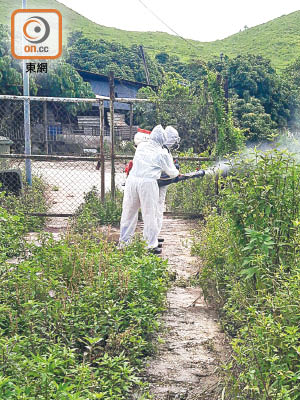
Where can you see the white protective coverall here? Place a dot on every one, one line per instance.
(172, 137)
(141, 188)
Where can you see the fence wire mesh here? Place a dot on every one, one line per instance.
(67, 158)
(67, 138)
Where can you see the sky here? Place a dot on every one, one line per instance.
(193, 19)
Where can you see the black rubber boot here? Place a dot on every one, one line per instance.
(160, 245)
(155, 250)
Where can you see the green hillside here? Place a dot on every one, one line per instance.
(278, 39)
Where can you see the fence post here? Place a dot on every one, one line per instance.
(112, 132)
(45, 117)
(27, 131)
(131, 121)
(102, 159)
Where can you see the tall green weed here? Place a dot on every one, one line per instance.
(93, 212)
(251, 270)
(76, 318)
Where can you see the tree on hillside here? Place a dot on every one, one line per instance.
(62, 80)
(292, 76)
(254, 76)
(10, 71)
(193, 70)
(250, 116)
(100, 56)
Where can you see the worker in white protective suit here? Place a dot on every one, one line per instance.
(172, 141)
(141, 188)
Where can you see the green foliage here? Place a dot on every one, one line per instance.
(76, 318)
(229, 138)
(292, 76)
(93, 212)
(32, 200)
(11, 231)
(192, 70)
(14, 223)
(10, 76)
(251, 117)
(125, 147)
(194, 197)
(101, 56)
(253, 76)
(188, 108)
(262, 100)
(251, 256)
(62, 80)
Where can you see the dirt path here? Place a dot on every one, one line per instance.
(186, 363)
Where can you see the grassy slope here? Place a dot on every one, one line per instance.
(278, 39)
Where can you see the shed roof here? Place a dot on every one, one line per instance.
(101, 77)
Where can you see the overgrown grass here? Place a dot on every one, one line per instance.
(14, 221)
(77, 315)
(93, 212)
(76, 319)
(251, 255)
(11, 234)
(32, 200)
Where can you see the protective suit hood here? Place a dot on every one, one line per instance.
(172, 137)
(158, 135)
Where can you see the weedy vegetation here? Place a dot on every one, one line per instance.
(192, 197)
(250, 247)
(92, 212)
(77, 315)
(14, 221)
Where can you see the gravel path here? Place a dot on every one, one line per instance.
(186, 363)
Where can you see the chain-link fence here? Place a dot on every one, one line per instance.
(71, 149)
(76, 145)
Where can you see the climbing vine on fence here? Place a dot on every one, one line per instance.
(196, 110)
(229, 138)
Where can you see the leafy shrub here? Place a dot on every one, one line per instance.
(11, 232)
(32, 200)
(194, 196)
(76, 318)
(125, 146)
(93, 212)
(14, 221)
(251, 255)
